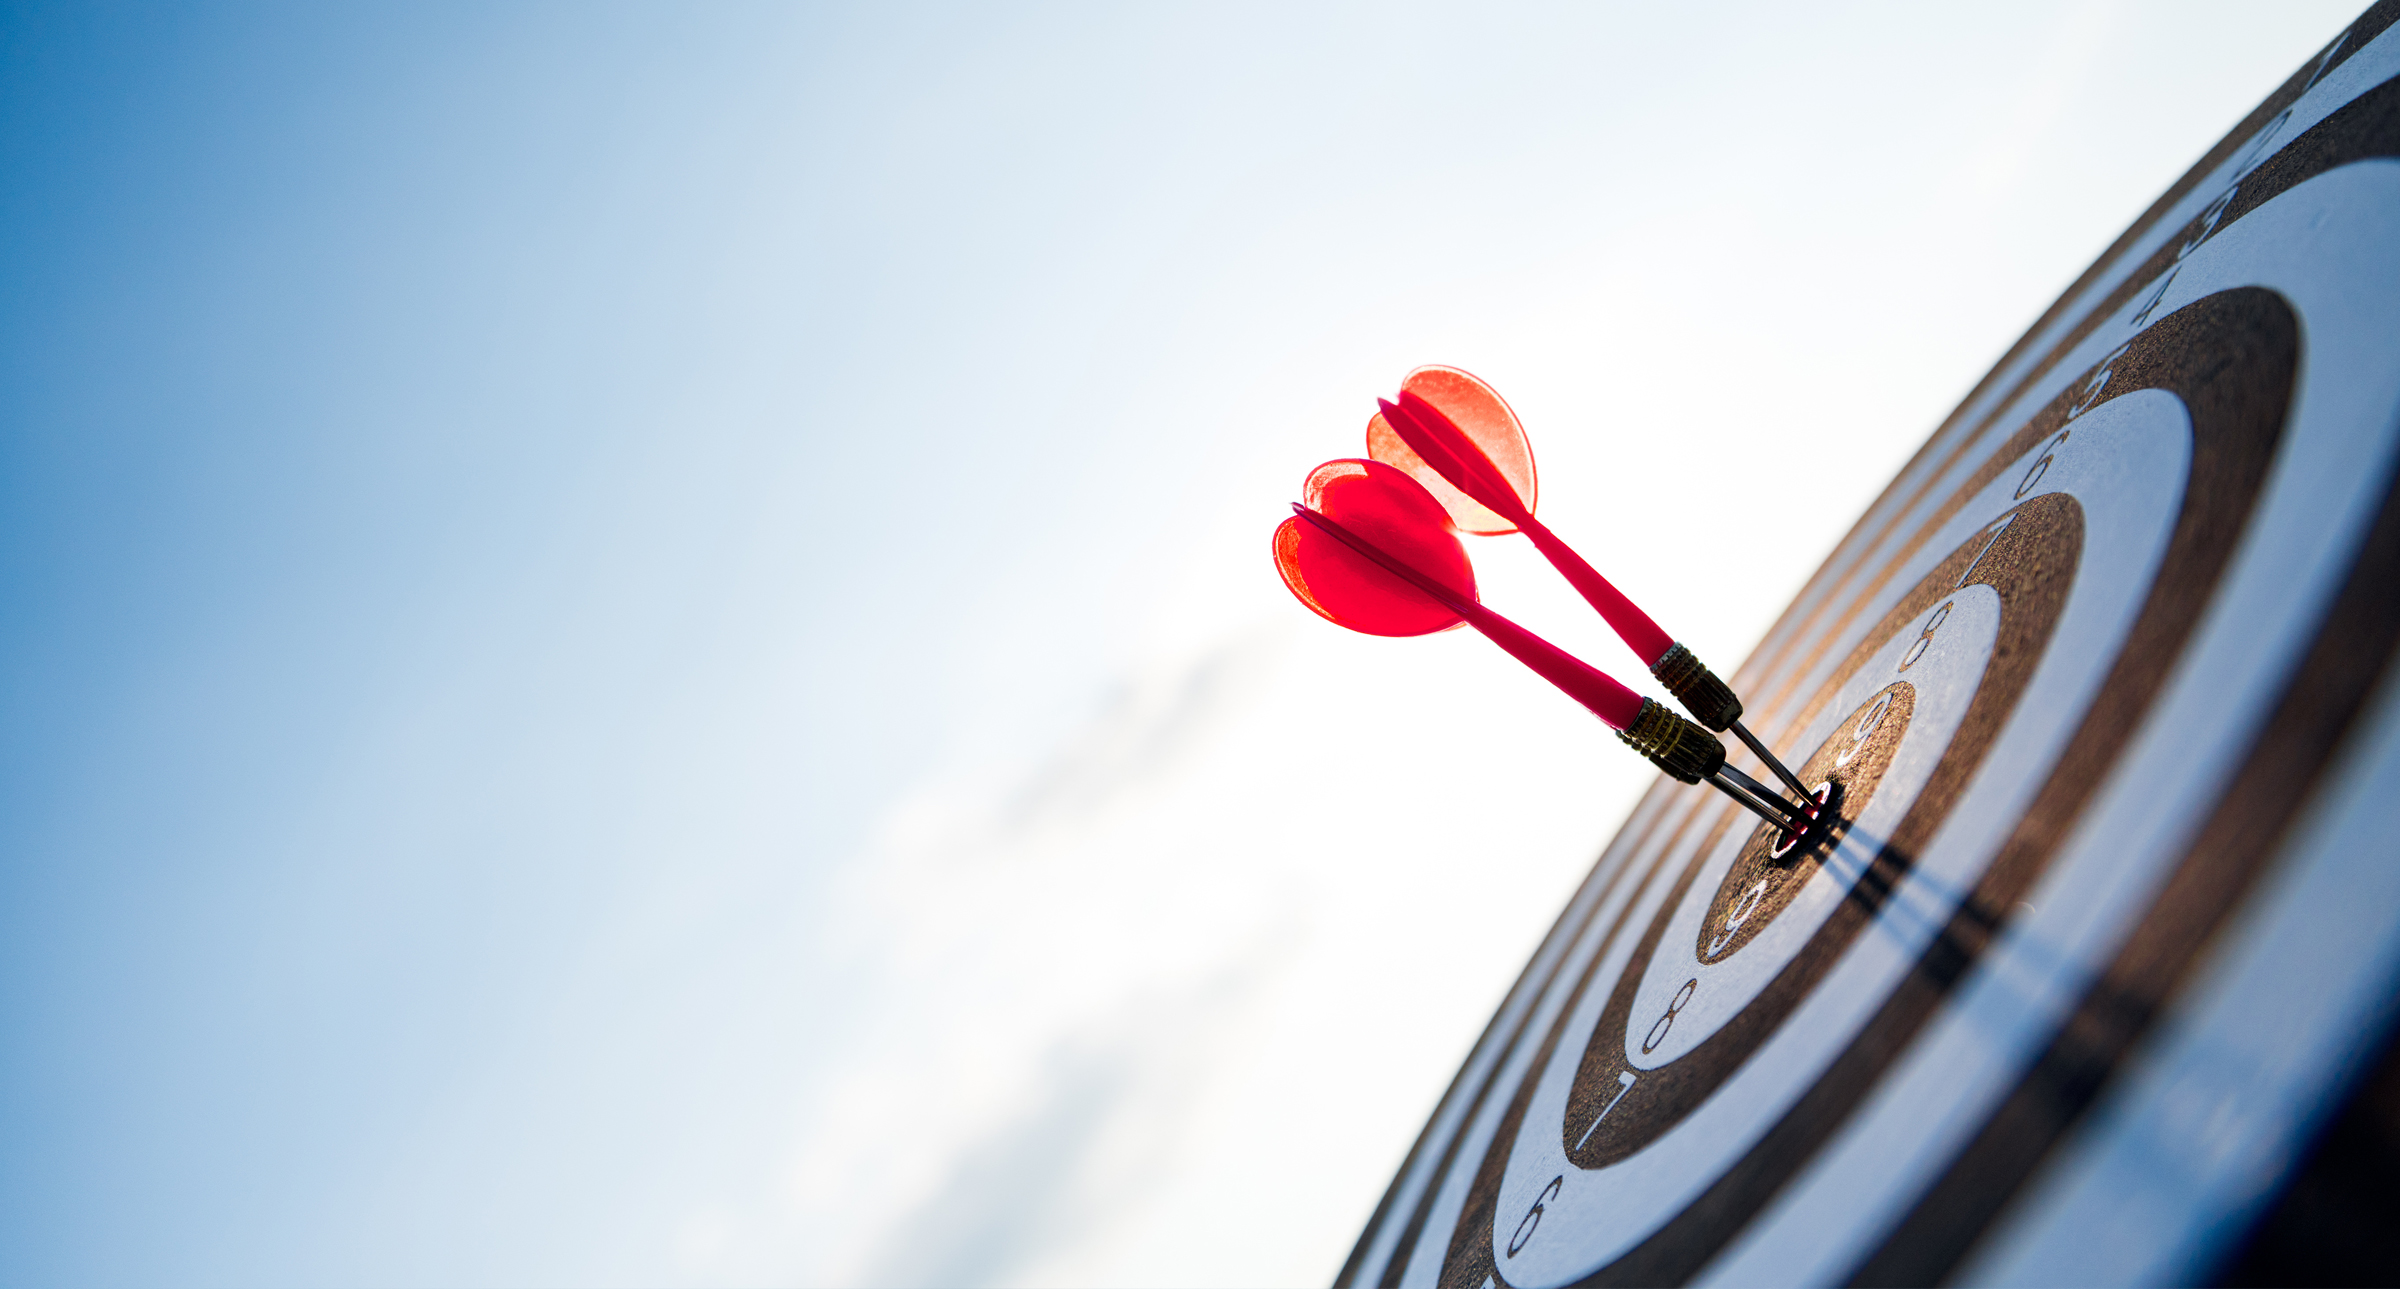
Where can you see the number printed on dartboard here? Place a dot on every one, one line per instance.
(1658, 1030)
(1532, 1220)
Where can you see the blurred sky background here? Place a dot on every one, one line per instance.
(638, 644)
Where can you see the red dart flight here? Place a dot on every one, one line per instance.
(1458, 437)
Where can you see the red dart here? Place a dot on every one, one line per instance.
(1373, 551)
(1459, 438)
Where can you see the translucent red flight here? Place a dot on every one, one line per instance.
(1350, 503)
(1487, 421)
(1459, 438)
(1383, 505)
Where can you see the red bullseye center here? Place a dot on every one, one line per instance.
(1792, 837)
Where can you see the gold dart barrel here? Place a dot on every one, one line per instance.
(1710, 700)
(1684, 750)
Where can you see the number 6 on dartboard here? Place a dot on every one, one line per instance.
(1532, 1220)
(2034, 472)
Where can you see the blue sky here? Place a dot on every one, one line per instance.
(637, 641)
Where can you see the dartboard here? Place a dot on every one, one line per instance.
(2111, 913)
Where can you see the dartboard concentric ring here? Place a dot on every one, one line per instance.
(2132, 606)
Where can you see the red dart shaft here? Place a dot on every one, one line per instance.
(1431, 433)
(1581, 681)
(1633, 626)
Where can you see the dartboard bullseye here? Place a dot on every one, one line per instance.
(2093, 694)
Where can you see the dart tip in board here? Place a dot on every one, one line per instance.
(1822, 814)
